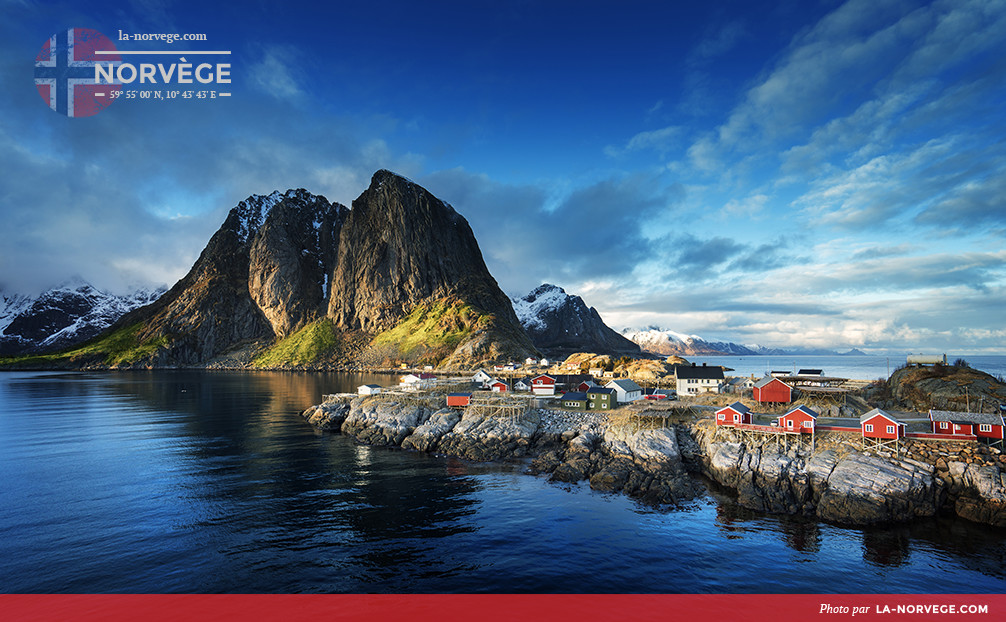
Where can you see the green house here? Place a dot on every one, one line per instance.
(601, 398)
(574, 399)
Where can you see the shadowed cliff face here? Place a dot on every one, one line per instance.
(261, 275)
(401, 245)
(282, 261)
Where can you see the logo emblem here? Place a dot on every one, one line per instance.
(64, 72)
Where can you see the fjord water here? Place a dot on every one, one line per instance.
(182, 481)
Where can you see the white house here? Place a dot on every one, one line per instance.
(413, 382)
(368, 389)
(482, 378)
(626, 390)
(694, 379)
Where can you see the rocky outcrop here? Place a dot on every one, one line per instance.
(569, 447)
(559, 324)
(979, 492)
(843, 485)
(943, 387)
(865, 488)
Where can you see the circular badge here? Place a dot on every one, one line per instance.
(65, 72)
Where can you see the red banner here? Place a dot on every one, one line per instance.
(499, 608)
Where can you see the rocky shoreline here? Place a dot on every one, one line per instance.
(836, 482)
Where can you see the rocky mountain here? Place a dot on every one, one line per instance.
(62, 316)
(559, 324)
(292, 279)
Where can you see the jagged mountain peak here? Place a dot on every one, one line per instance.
(248, 216)
(558, 322)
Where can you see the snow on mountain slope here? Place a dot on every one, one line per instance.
(669, 342)
(63, 316)
(559, 323)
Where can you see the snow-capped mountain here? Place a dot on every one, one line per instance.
(668, 342)
(559, 323)
(62, 316)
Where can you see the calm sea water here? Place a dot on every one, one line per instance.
(211, 482)
(868, 367)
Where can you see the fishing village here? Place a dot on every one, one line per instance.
(792, 442)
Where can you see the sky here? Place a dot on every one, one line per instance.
(796, 173)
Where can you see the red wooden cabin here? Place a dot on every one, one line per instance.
(879, 424)
(772, 390)
(733, 414)
(458, 400)
(982, 425)
(801, 419)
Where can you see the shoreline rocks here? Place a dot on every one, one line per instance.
(841, 484)
(567, 446)
(837, 483)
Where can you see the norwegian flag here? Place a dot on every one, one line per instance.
(64, 72)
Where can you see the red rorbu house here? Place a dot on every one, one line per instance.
(982, 425)
(879, 424)
(543, 385)
(458, 400)
(801, 419)
(498, 386)
(772, 390)
(733, 414)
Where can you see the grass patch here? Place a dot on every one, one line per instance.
(120, 347)
(431, 332)
(311, 344)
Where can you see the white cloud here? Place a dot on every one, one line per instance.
(275, 73)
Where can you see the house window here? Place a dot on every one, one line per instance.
(943, 425)
(736, 418)
(985, 427)
(890, 429)
(723, 417)
(603, 406)
(869, 427)
(808, 424)
(789, 424)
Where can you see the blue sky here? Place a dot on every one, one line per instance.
(828, 174)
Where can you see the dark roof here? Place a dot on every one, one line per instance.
(810, 372)
(578, 396)
(571, 378)
(959, 417)
(599, 390)
(459, 395)
(698, 372)
(738, 407)
(370, 386)
(803, 409)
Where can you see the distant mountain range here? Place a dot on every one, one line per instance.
(667, 342)
(63, 316)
